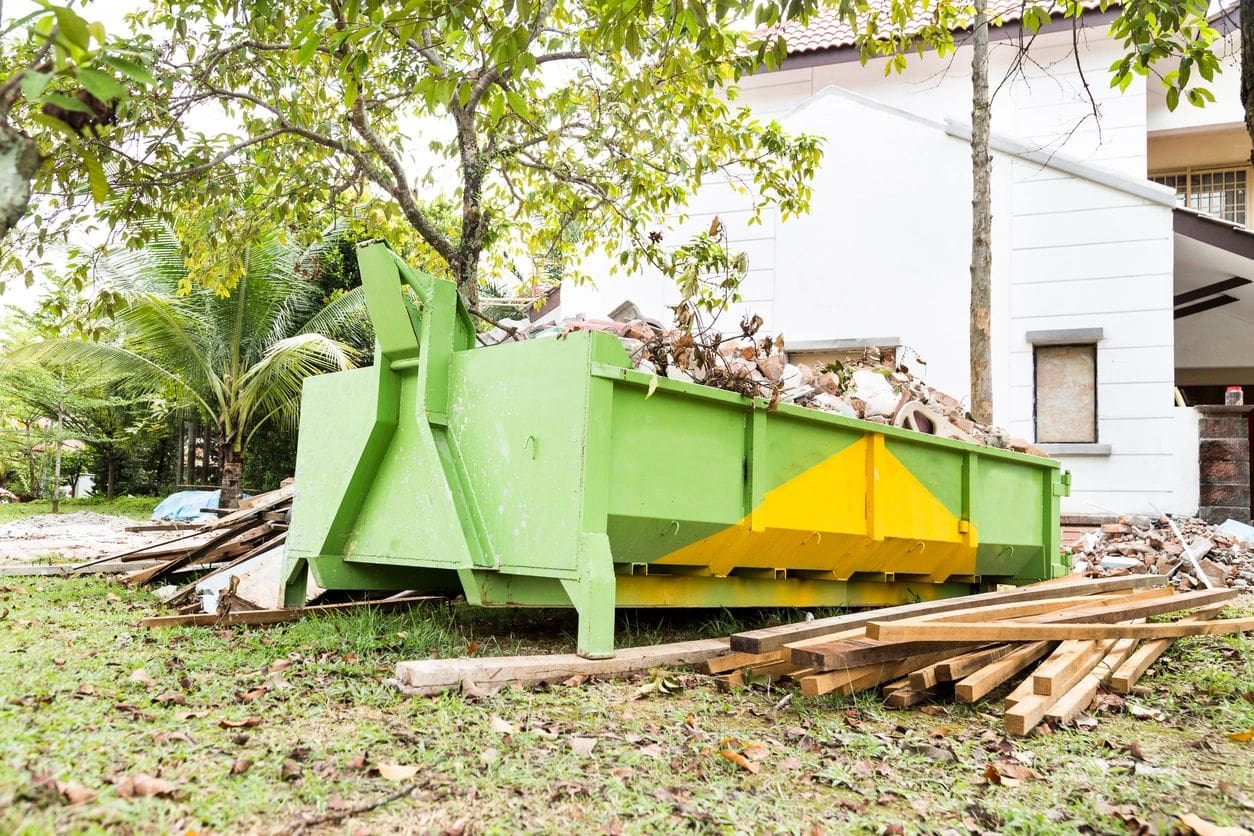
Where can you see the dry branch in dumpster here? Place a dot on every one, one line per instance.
(874, 387)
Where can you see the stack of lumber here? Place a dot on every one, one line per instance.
(258, 526)
(1067, 639)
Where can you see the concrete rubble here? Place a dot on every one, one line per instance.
(1142, 544)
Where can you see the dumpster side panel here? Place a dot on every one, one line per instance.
(517, 418)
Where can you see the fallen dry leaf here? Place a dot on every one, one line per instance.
(500, 726)
(75, 793)
(756, 752)
(143, 785)
(246, 723)
(740, 761)
(141, 676)
(173, 697)
(84, 689)
(290, 770)
(1193, 823)
(473, 691)
(252, 694)
(576, 680)
(789, 764)
(165, 737)
(490, 756)
(1246, 736)
(279, 665)
(357, 764)
(1008, 773)
(241, 766)
(397, 771)
(582, 746)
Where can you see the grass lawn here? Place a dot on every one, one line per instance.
(302, 716)
(135, 507)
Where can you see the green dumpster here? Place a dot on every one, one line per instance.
(551, 473)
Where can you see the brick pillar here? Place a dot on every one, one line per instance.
(1224, 457)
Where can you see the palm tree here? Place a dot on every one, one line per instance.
(241, 359)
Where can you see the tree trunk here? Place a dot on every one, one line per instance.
(178, 454)
(19, 160)
(1247, 68)
(232, 476)
(981, 224)
(56, 470)
(193, 431)
(111, 470)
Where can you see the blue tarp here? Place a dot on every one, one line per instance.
(185, 506)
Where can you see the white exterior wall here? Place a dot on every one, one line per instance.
(885, 249)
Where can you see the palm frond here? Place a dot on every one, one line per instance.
(273, 385)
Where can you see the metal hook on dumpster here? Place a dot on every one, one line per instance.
(814, 534)
(534, 444)
(675, 530)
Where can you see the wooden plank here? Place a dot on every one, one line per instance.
(1139, 661)
(773, 638)
(429, 676)
(870, 649)
(272, 500)
(850, 653)
(1031, 609)
(1076, 701)
(850, 680)
(1024, 715)
(895, 685)
(274, 542)
(147, 575)
(735, 661)
(1059, 668)
(1072, 624)
(277, 616)
(978, 684)
(957, 667)
(906, 697)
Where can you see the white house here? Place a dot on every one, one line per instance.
(1109, 291)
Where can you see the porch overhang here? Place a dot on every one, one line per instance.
(1214, 300)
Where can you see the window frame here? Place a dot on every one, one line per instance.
(1189, 172)
(1036, 389)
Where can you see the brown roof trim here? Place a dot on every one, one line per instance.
(1011, 31)
(1214, 231)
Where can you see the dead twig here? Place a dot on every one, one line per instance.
(307, 822)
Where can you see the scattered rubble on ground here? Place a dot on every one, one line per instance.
(1138, 543)
(78, 535)
(875, 387)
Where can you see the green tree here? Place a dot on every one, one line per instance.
(64, 84)
(239, 359)
(600, 116)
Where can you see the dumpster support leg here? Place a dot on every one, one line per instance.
(593, 596)
(295, 580)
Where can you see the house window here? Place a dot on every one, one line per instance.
(1218, 191)
(1066, 393)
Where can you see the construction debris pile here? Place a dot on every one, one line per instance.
(1074, 638)
(874, 387)
(224, 547)
(1188, 550)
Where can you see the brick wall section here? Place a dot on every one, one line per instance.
(1224, 456)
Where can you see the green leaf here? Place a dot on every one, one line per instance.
(517, 104)
(134, 71)
(308, 49)
(33, 84)
(95, 175)
(73, 27)
(101, 85)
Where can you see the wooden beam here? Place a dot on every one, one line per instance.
(1140, 660)
(1025, 714)
(1077, 700)
(773, 638)
(735, 661)
(957, 667)
(430, 676)
(980, 683)
(1072, 624)
(277, 616)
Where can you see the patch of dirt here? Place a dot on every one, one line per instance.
(79, 535)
